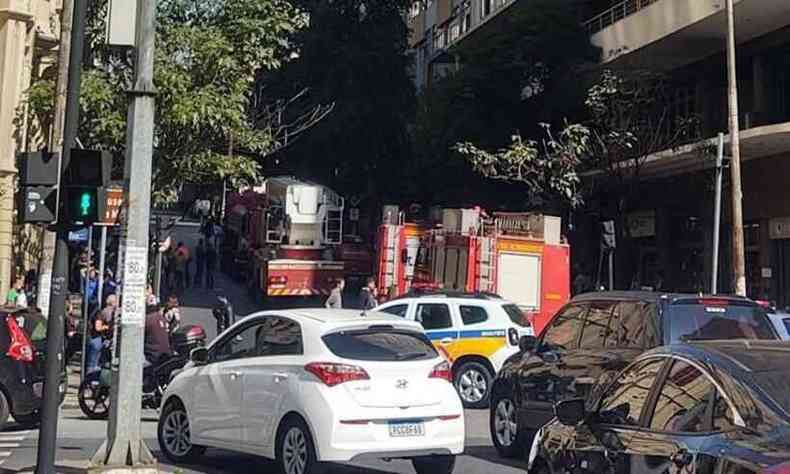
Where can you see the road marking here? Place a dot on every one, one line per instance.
(12, 438)
(10, 445)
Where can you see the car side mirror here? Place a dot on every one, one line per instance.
(570, 412)
(527, 343)
(199, 356)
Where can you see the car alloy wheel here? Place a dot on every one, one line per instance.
(175, 433)
(294, 456)
(472, 386)
(505, 422)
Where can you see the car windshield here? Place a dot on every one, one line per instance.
(717, 319)
(516, 315)
(380, 345)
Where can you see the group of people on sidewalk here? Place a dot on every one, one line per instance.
(366, 300)
(178, 263)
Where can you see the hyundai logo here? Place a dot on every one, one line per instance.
(402, 384)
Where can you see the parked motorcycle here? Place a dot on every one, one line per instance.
(94, 391)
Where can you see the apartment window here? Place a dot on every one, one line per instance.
(467, 24)
(485, 8)
(455, 31)
(682, 107)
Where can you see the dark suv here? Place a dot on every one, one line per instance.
(22, 364)
(594, 337)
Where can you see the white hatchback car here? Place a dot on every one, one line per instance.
(305, 387)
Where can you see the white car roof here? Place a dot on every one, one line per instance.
(445, 299)
(338, 317)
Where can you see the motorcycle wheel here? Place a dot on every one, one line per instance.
(94, 399)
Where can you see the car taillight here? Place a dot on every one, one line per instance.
(713, 302)
(20, 348)
(278, 280)
(783, 468)
(332, 374)
(442, 371)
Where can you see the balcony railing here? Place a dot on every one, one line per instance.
(614, 14)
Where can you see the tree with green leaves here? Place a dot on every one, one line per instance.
(208, 55)
(353, 54)
(511, 79)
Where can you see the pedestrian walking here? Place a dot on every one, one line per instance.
(211, 266)
(172, 313)
(200, 263)
(367, 296)
(181, 259)
(335, 299)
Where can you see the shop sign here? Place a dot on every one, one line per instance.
(642, 224)
(779, 228)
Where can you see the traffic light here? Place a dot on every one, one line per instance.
(83, 194)
(37, 199)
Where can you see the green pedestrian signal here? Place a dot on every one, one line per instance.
(85, 204)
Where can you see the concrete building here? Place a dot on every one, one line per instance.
(684, 39)
(29, 35)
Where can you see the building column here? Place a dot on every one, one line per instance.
(15, 26)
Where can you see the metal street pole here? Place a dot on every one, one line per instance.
(738, 259)
(55, 143)
(714, 279)
(124, 445)
(48, 432)
(102, 261)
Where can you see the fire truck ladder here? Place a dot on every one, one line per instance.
(487, 264)
(333, 222)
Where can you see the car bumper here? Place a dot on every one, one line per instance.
(372, 440)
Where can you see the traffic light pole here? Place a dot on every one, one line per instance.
(48, 432)
(125, 446)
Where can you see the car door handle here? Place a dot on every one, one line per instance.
(446, 340)
(681, 458)
(279, 377)
(234, 375)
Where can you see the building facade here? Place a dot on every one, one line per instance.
(685, 39)
(29, 35)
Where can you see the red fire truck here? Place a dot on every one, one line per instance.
(521, 257)
(294, 239)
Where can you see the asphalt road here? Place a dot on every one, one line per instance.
(80, 438)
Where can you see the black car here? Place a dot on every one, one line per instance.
(592, 339)
(22, 364)
(704, 407)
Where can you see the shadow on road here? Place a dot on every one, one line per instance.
(489, 454)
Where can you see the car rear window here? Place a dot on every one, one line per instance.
(718, 319)
(378, 345)
(516, 315)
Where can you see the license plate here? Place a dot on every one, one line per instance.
(406, 429)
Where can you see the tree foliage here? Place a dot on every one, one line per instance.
(353, 54)
(207, 57)
(549, 167)
(513, 78)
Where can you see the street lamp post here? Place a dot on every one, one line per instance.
(738, 259)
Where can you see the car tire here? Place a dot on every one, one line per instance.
(174, 435)
(503, 424)
(295, 449)
(94, 399)
(5, 410)
(434, 464)
(472, 380)
(28, 420)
